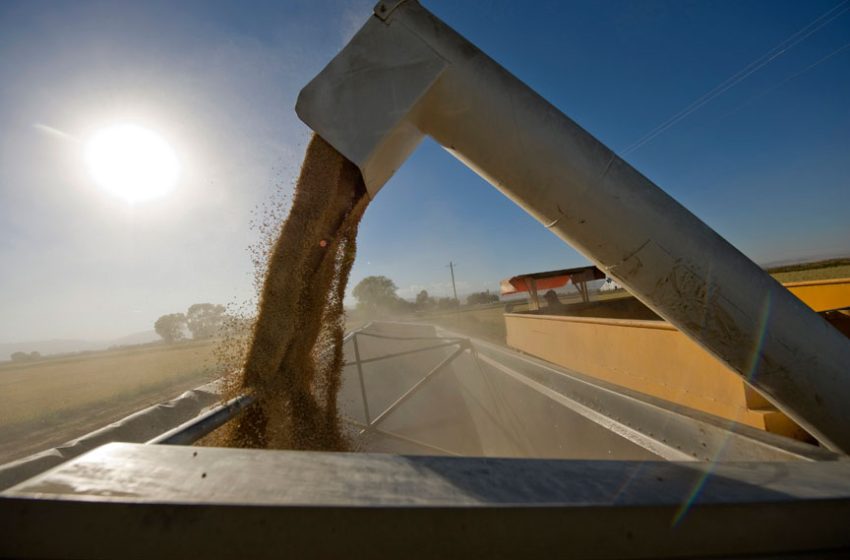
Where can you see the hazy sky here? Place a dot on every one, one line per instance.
(766, 163)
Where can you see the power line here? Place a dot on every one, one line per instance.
(788, 79)
(759, 63)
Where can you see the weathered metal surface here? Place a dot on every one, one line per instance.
(407, 75)
(137, 428)
(174, 474)
(149, 501)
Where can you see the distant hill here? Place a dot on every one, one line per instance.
(68, 346)
(143, 337)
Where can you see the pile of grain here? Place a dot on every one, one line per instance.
(294, 358)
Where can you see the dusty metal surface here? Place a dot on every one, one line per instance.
(492, 401)
(174, 474)
(138, 427)
(152, 500)
(446, 400)
(443, 86)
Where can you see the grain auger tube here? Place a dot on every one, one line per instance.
(406, 74)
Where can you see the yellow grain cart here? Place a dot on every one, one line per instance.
(614, 338)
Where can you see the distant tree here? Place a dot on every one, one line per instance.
(482, 297)
(205, 320)
(20, 357)
(25, 356)
(376, 292)
(424, 300)
(172, 327)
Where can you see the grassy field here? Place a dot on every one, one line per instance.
(48, 402)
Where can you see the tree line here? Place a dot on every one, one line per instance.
(374, 294)
(379, 293)
(201, 320)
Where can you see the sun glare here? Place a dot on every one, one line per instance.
(132, 162)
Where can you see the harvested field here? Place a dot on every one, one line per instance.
(46, 403)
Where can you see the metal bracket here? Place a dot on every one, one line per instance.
(371, 425)
(385, 8)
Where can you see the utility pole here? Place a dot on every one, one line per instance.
(454, 289)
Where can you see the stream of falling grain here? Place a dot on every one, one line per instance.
(294, 358)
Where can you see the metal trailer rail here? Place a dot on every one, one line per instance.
(193, 430)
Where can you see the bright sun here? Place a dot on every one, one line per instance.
(132, 162)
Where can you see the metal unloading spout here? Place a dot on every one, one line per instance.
(406, 74)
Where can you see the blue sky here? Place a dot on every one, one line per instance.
(765, 163)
